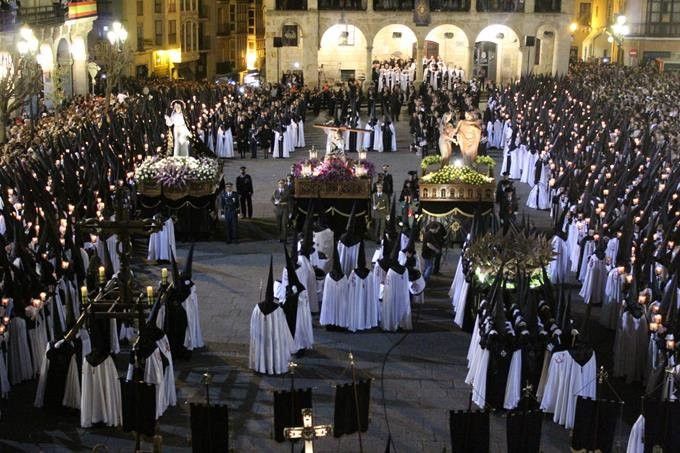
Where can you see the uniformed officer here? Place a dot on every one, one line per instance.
(280, 199)
(244, 188)
(229, 205)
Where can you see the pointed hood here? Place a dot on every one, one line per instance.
(336, 272)
(307, 231)
(361, 270)
(411, 244)
(186, 273)
(268, 305)
(290, 269)
(350, 238)
(384, 262)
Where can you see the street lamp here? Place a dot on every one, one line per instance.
(27, 45)
(619, 30)
(117, 35)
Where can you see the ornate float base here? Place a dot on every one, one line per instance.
(484, 193)
(357, 188)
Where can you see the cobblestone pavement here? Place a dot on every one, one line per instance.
(423, 374)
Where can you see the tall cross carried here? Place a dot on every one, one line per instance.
(308, 432)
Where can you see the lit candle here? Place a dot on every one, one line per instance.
(102, 274)
(83, 294)
(642, 299)
(629, 279)
(5, 319)
(164, 275)
(149, 292)
(5, 301)
(605, 192)
(656, 319)
(653, 326)
(43, 296)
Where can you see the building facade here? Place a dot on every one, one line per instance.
(62, 35)
(239, 36)
(332, 40)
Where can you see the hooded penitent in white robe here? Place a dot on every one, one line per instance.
(348, 257)
(100, 401)
(193, 337)
(611, 302)
(592, 290)
(334, 302)
(458, 293)
(363, 302)
(281, 148)
(396, 303)
(376, 134)
(271, 343)
(162, 243)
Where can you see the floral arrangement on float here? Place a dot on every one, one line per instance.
(457, 182)
(333, 177)
(177, 176)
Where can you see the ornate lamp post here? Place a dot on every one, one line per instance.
(617, 34)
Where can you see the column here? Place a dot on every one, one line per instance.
(470, 62)
(369, 64)
(80, 77)
(419, 63)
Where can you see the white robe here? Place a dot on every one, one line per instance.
(193, 337)
(560, 263)
(458, 293)
(181, 133)
(271, 343)
(566, 381)
(300, 134)
(377, 137)
(363, 302)
(284, 146)
(396, 304)
(539, 196)
(304, 332)
(334, 304)
(592, 290)
(19, 355)
(348, 256)
(609, 315)
(71, 386)
(162, 243)
(307, 277)
(637, 436)
(100, 401)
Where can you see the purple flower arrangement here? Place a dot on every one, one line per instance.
(333, 169)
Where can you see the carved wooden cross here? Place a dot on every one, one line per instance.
(308, 432)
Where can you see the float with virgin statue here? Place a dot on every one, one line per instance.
(181, 181)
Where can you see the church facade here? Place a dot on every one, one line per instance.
(325, 41)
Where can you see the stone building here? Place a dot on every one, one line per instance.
(330, 40)
(61, 32)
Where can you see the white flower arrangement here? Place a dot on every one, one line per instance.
(177, 171)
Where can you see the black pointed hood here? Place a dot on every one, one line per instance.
(308, 232)
(384, 262)
(336, 272)
(394, 258)
(411, 244)
(361, 270)
(186, 273)
(268, 305)
(290, 270)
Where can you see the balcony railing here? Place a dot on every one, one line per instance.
(339, 5)
(500, 6)
(548, 6)
(35, 15)
(393, 5)
(450, 5)
(291, 5)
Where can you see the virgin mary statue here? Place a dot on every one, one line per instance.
(469, 133)
(180, 130)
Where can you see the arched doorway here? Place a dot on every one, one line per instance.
(394, 41)
(342, 54)
(65, 67)
(450, 44)
(541, 56)
(497, 55)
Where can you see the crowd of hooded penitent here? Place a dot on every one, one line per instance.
(599, 148)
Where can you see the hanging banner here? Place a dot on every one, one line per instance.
(421, 12)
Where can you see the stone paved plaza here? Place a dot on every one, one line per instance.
(422, 378)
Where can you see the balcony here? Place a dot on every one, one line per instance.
(393, 5)
(450, 5)
(39, 16)
(291, 5)
(500, 6)
(548, 6)
(342, 5)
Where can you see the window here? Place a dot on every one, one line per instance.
(251, 22)
(172, 32)
(140, 37)
(140, 7)
(158, 6)
(172, 6)
(663, 18)
(159, 32)
(584, 13)
(232, 18)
